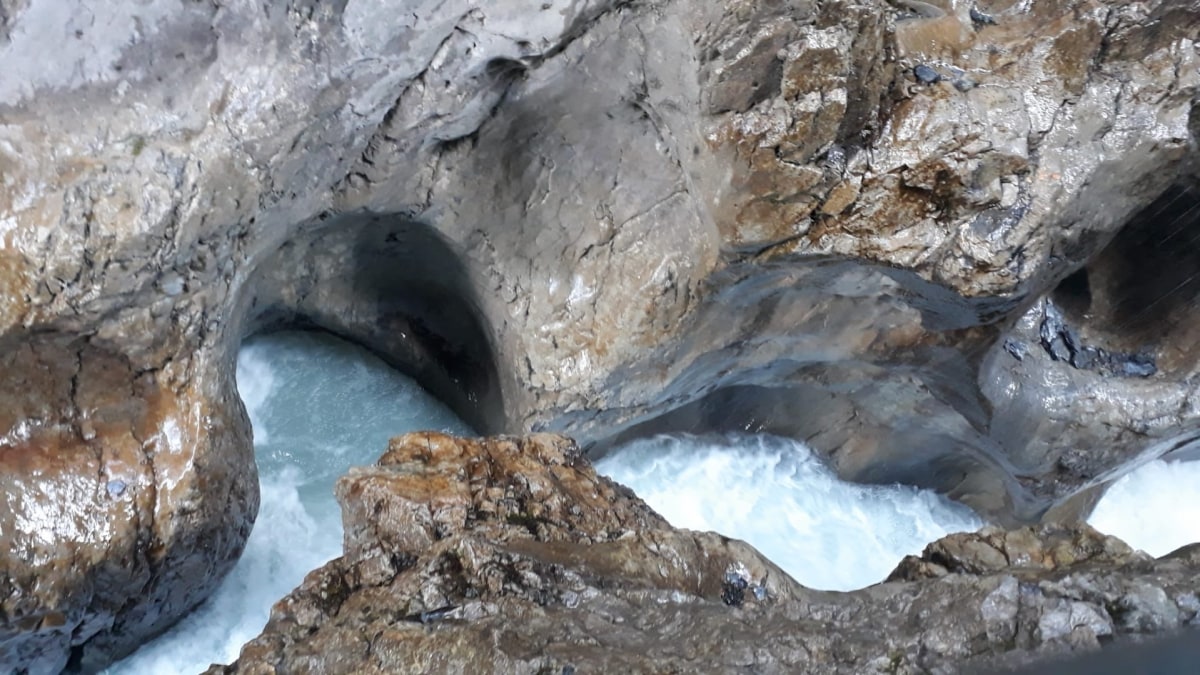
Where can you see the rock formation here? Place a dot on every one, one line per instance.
(845, 221)
(510, 555)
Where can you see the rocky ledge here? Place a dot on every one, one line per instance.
(510, 555)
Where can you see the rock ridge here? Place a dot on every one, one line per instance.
(509, 554)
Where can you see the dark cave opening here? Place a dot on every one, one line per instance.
(1137, 294)
(318, 406)
(396, 287)
(1074, 293)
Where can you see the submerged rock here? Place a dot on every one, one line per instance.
(510, 555)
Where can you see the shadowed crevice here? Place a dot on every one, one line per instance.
(1139, 293)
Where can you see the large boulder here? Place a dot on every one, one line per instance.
(510, 555)
(599, 217)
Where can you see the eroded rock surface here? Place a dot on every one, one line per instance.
(575, 216)
(510, 555)
(1045, 547)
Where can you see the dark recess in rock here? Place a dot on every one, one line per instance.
(410, 300)
(1063, 343)
(1135, 302)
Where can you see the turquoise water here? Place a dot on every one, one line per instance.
(318, 405)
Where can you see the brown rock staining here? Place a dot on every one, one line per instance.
(846, 221)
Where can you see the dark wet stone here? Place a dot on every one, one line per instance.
(1086, 358)
(1138, 365)
(1071, 338)
(1016, 348)
(733, 589)
(981, 18)
(1062, 343)
(1059, 350)
(925, 74)
(1050, 333)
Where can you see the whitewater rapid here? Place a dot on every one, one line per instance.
(1155, 508)
(775, 494)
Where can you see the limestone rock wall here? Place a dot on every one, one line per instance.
(987, 153)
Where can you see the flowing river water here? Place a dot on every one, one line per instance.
(319, 405)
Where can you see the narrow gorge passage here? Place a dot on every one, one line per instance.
(318, 406)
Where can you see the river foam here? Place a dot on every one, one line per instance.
(776, 495)
(1155, 507)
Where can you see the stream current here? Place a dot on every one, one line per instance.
(319, 405)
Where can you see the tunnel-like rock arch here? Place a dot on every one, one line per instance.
(394, 285)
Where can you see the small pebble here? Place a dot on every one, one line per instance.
(1016, 348)
(925, 74)
(1139, 365)
(964, 84)
(981, 19)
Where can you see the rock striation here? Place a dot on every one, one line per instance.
(846, 221)
(510, 555)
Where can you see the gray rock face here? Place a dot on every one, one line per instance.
(509, 555)
(593, 217)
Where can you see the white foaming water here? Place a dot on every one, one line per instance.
(1155, 508)
(318, 405)
(775, 494)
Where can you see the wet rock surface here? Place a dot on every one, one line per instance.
(107, 493)
(510, 555)
(591, 217)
